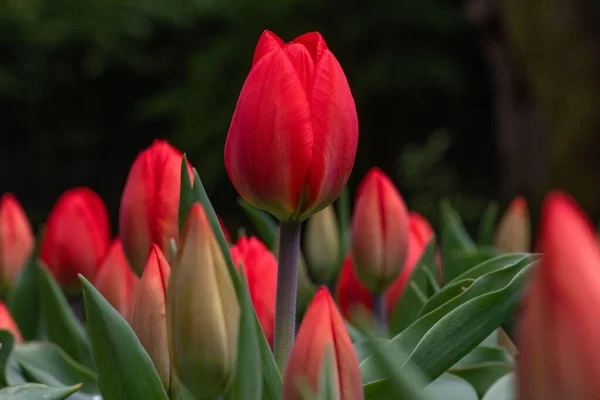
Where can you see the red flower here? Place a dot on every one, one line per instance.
(76, 236)
(150, 203)
(323, 330)
(260, 267)
(559, 331)
(8, 323)
(293, 137)
(16, 240)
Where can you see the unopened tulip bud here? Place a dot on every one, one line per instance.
(514, 233)
(322, 328)
(204, 312)
(150, 203)
(323, 245)
(260, 267)
(559, 329)
(116, 281)
(76, 237)
(16, 240)
(8, 323)
(148, 317)
(379, 232)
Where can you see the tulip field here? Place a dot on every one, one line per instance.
(334, 297)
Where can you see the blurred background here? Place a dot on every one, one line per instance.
(474, 101)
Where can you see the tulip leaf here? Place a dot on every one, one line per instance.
(485, 353)
(342, 206)
(7, 341)
(503, 389)
(482, 376)
(31, 391)
(61, 324)
(487, 225)
(271, 388)
(363, 349)
(451, 387)
(125, 370)
(265, 225)
(455, 241)
(186, 193)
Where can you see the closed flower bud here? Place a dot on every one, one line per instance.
(148, 317)
(514, 233)
(76, 237)
(260, 267)
(322, 328)
(379, 232)
(115, 280)
(16, 240)
(8, 323)
(322, 245)
(292, 140)
(559, 329)
(204, 312)
(150, 203)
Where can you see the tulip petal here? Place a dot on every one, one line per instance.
(16, 239)
(267, 43)
(314, 43)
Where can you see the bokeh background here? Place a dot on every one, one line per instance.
(474, 101)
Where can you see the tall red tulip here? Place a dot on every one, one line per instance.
(293, 137)
(559, 330)
(379, 232)
(76, 237)
(115, 279)
(150, 203)
(260, 267)
(16, 240)
(8, 323)
(323, 328)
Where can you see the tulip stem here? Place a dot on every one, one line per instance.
(379, 309)
(287, 283)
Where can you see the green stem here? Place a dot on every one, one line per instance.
(287, 283)
(379, 309)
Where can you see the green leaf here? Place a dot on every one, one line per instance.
(484, 353)
(265, 225)
(186, 194)
(455, 241)
(407, 310)
(125, 371)
(355, 334)
(272, 382)
(491, 340)
(363, 349)
(48, 364)
(450, 387)
(34, 391)
(342, 207)
(482, 376)
(487, 225)
(248, 378)
(327, 384)
(468, 260)
(61, 324)
(503, 389)
(7, 341)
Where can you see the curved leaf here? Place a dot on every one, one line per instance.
(447, 293)
(7, 341)
(455, 241)
(494, 264)
(503, 389)
(487, 225)
(186, 194)
(482, 376)
(483, 354)
(450, 387)
(265, 225)
(31, 391)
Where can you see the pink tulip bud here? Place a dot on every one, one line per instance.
(8, 323)
(514, 233)
(16, 240)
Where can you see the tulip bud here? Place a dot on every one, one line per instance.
(260, 267)
(292, 140)
(150, 203)
(559, 328)
(514, 233)
(204, 313)
(8, 323)
(323, 245)
(16, 240)
(115, 280)
(148, 317)
(379, 232)
(76, 237)
(322, 328)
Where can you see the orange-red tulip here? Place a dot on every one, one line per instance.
(8, 323)
(150, 203)
(115, 279)
(260, 267)
(16, 240)
(559, 331)
(148, 317)
(323, 328)
(514, 233)
(76, 237)
(379, 232)
(293, 137)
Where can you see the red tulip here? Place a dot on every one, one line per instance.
(76, 237)
(514, 231)
(559, 331)
(8, 323)
(115, 279)
(150, 203)
(260, 267)
(293, 137)
(379, 232)
(16, 240)
(323, 328)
